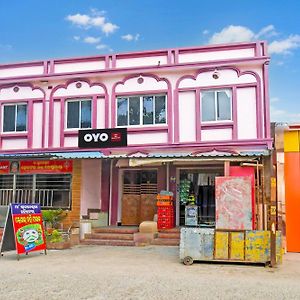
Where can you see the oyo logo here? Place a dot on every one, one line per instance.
(96, 137)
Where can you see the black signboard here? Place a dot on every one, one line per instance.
(102, 138)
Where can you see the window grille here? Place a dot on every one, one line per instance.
(49, 190)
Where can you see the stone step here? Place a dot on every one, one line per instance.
(117, 229)
(109, 236)
(107, 242)
(165, 242)
(171, 230)
(169, 235)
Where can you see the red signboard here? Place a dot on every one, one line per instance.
(28, 227)
(45, 166)
(4, 167)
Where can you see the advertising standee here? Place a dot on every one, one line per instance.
(23, 230)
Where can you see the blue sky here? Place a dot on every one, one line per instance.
(33, 30)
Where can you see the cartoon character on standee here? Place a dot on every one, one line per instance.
(30, 236)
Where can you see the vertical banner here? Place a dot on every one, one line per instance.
(233, 203)
(28, 227)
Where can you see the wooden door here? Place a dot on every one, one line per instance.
(139, 196)
(148, 201)
(131, 204)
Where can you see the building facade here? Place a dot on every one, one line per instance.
(191, 114)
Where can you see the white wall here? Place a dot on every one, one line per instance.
(149, 83)
(147, 138)
(215, 55)
(141, 61)
(101, 113)
(24, 93)
(72, 90)
(56, 124)
(187, 117)
(79, 66)
(37, 125)
(91, 185)
(22, 71)
(227, 77)
(216, 134)
(11, 144)
(246, 113)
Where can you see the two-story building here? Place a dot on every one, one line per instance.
(191, 114)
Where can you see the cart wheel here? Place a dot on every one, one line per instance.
(188, 261)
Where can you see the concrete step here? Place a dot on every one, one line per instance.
(165, 242)
(107, 242)
(117, 229)
(109, 236)
(169, 235)
(171, 230)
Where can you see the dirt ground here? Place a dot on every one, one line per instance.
(100, 272)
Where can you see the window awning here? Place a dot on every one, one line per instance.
(150, 157)
(53, 155)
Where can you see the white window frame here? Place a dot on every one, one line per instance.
(80, 100)
(141, 110)
(16, 112)
(216, 106)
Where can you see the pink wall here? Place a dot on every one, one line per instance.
(173, 72)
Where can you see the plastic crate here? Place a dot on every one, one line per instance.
(164, 203)
(164, 197)
(165, 208)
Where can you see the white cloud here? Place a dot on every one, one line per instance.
(101, 46)
(104, 47)
(92, 40)
(284, 46)
(205, 32)
(95, 19)
(282, 115)
(274, 100)
(109, 28)
(130, 37)
(266, 31)
(236, 33)
(78, 19)
(232, 34)
(76, 37)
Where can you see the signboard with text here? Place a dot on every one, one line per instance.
(4, 167)
(45, 166)
(37, 166)
(102, 138)
(23, 230)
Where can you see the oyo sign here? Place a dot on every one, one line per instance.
(96, 137)
(102, 138)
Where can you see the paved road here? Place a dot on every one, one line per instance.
(99, 272)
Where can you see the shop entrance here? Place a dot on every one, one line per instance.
(197, 187)
(139, 196)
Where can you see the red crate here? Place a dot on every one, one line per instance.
(164, 197)
(165, 209)
(164, 226)
(167, 213)
(165, 221)
(164, 203)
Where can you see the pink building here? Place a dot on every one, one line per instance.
(191, 114)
